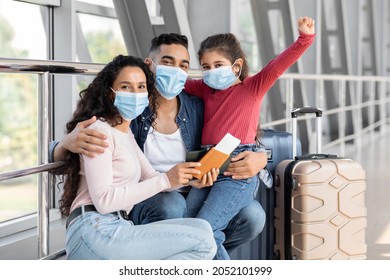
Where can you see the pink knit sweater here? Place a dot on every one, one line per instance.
(120, 177)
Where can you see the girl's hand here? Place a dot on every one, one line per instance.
(208, 179)
(306, 25)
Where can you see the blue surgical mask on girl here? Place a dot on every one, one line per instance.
(220, 78)
(170, 80)
(130, 104)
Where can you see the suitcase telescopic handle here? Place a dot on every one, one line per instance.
(303, 111)
(306, 110)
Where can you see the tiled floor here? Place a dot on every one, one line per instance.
(375, 158)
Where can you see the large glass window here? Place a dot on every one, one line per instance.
(22, 32)
(18, 143)
(105, 3)
(242, 26)
(22, 35)
(103, 37)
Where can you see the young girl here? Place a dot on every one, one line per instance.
(232, 105)
(100, 191)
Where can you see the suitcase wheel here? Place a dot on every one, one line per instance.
(294, 184)
(277, 255)
(276, 181)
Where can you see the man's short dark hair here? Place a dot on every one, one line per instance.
(168, 39)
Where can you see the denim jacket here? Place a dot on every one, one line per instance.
(189, 119)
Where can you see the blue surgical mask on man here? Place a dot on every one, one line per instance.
(130, 104)
(170, 80)
(220, 78)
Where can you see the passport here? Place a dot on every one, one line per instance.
(215, 157)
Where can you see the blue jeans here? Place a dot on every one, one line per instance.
(242, 228)
(220, 203)
(245, 226)
(93, 236)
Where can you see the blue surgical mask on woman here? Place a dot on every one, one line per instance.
(220, 78)
(170, 80)
(130, 104)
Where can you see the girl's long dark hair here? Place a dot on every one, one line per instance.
(227, 45)
(97, 100)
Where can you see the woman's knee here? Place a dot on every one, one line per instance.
(208, 237)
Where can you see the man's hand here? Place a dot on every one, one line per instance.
(208, 179)
(306, 25)
(246, 164)
(81, 140)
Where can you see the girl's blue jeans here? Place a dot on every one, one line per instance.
(220, 203)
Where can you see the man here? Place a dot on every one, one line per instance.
(165, 134)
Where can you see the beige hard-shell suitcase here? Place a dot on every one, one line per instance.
(320, 208)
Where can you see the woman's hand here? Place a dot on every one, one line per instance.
(246, 164)
(306, 25)
(182, 173)
(82, 140)
(208, 179)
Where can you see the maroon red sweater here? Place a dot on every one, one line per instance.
(237, 109)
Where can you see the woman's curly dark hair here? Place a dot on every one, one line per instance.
(97, 100)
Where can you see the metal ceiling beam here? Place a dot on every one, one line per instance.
(275, 96)
(176, 20)
(136, 27)
(334, 55)
(64, 49)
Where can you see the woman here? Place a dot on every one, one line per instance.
(99, 191)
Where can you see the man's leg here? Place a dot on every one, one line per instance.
(195, 199)
(245, 226)
(162, 206)
(224, 201)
